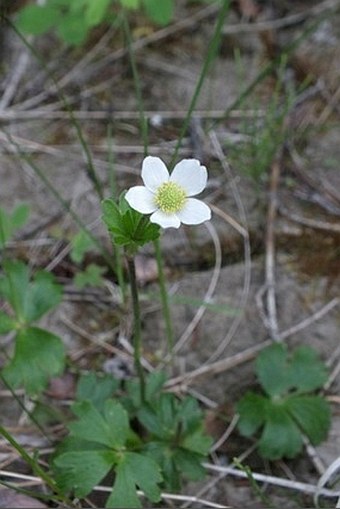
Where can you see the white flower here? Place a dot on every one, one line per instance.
(168, 197)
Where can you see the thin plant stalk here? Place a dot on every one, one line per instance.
(164, 299)
(117, 254)
(137, 336)
(33, 464)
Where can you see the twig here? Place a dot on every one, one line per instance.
(277, 481)
(14, 81)
(270, 253)
(310, 223)
(247, 252)
(209, 293)
(286, 21)
(45, 113)
(249, 353)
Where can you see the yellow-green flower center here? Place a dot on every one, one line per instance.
(170, 197)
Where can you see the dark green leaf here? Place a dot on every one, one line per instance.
(91, 276)
(96, 389)
(111, 217)
(306, 372)
(111, 430)
(135, 471)
(271, 369)
(312, 414)
(42, 295)
(14, 286)
(38, 356)
(252, 410)
(81, 244)
(20, 216)
(80, 471)
(189, 464)
(198, 442)
(281, 436)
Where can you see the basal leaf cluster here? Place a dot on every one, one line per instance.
(289, 409)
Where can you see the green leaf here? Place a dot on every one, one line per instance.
(42, 295)
(72, 29)
(281, 436)
(14, 286)
(96, 11)
(37, 19)
(82, 470)
(91, 276)
(7, 323)
(252, 411)
(81, 244)
(38, 356)
(130, 4)
(30, 301)
(160, 12)
(96, 389)
(312, 414)
(127, 226)
(20, 216)
(111, 430)
(135, 471)
(189, 464)
(198, 442)
(306, 372)
(271, 369)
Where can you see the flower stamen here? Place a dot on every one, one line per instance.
(170, 197)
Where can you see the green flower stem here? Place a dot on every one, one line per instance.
(164, 298)
(136, 325)
(34, 465)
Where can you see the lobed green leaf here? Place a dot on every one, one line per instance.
(38, 356)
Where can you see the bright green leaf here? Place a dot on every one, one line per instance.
(72, 29)
(7, 323)
(82, 470)
(39, 355)
(252, 410)
(37, 19)
(159, 11)
(135, 471)
(312, 414)
(130, 4)
(96, 11)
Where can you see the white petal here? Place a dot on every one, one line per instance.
(190, 175)
(165, 220)
(194, 212)
(141, 199)
(154, 173)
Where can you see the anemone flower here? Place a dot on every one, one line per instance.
(168, 197)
